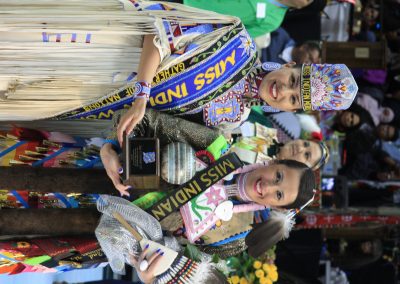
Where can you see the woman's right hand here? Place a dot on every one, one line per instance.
(147, 275)
(113, 168)
(131, 118)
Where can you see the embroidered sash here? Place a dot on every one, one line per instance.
(199, 183)
(186, 86)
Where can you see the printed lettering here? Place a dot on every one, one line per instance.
(151, 100)
(218, 170)
(204, 178)
(129, 91)
(106, 115)
(214, 72)
(161, 98)
(199, 81)
(158, 213)
(166, 72)
(167, 205)
(181, 197)
(184, 90)
(174, 201)
(231, 59)
(197, 185)
(176, 93)
(212, 174)
(190, 190)
(225, 164)
(307, 105)
(218, 72)
(210, 75)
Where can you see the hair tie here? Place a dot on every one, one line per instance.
(294, 212)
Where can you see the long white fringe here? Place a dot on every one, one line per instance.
(39, 79)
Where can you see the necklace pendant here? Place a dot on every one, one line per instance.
(224, 211)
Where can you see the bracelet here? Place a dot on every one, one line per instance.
(142, 90)
(114, 144)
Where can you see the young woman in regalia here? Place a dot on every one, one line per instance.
(84, 60)
(255, 188)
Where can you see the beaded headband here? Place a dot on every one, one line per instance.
(324, 156)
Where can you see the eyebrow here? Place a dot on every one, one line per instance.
(297, 79)
(297, 85)
(282, 178)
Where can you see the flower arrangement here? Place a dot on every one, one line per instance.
(246, 269)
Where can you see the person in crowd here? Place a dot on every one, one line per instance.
(354, 254)
(387, 132)
(380, 113)
(284, 49)
(393, 106)
(313, 153)
(365, 158)
(258, 17)
(351, 119)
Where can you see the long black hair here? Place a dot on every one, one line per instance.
(365, 118)
(266, 235)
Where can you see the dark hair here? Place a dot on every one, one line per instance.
(364, 115)
(306, 186)
(311, 45)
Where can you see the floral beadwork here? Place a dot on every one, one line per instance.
(332, 86)
(248, 44)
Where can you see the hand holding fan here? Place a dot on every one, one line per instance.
(169, 255)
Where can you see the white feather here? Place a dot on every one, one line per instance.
(285, 218)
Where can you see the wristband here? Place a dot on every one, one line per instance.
(142, 90)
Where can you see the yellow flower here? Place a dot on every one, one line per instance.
(259, 273)
(273, 275)
(265, 280)
(235, 279)
(243, 281)
(267, 267)
(257, 264)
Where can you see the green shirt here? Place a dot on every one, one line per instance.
(259, 16)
